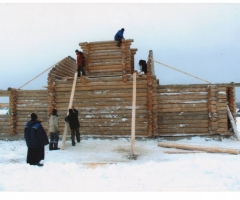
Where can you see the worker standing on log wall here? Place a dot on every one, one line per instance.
(143, 65)
(119, 36)
(80, 63)
(74, 124)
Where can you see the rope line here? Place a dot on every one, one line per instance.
(41, 74)
(180, 71)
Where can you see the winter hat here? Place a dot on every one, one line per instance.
(54, 111)
(123, 29)
(34, 116)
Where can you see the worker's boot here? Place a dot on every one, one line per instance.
(50, 146)
(73, 143)
(55, 146)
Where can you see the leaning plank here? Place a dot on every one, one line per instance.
(70, 105)
(199, 148)
(233, 123)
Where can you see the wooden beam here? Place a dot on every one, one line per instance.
(237, 134)
(69, 106)
(200, 148)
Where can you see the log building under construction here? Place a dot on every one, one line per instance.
(104, 99)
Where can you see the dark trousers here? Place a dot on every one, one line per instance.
(35, 155)
(81, 69)
(119, 42)
(54, 137)
(75, 133)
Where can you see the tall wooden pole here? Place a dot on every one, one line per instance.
(133, 115)
(69, 106)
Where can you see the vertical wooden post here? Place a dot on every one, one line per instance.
(13, 110)
(133, 114)
(69, 106)
(51, 92)
(86, 52)
(124, 76)
(133, 52)
(212, 109)
(150, 94)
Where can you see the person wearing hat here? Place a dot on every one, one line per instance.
(119, 36)
(74, 124)
(54, 130)
(36, 138)
(80, 63)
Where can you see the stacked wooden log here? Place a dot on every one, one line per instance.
(222, 116)
(212, 109)
(104, 104)
(104, 98)
(182, 109)
(31, 101)
(105, 58)
(66, 67)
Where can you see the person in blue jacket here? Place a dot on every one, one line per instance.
(36, 138)
(119, 36)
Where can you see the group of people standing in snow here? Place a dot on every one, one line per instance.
(36, 137)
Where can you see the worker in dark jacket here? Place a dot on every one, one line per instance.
(80, 63)
(119, 36)
(36, 138)
(143, 65)
(74, 124)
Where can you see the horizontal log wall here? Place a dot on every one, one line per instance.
(31, 101)
(105, 105)
(192, 110)
(182, 110)
(4, 124)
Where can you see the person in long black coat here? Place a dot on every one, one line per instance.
(74, 124)
(36, 138)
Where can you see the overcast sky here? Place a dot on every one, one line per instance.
(200, 39)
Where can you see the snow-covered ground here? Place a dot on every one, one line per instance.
(105, 165)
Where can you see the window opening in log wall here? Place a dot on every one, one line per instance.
(4, 106)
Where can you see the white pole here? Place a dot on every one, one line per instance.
(233, 123)
(69, 106)
(133, 115)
